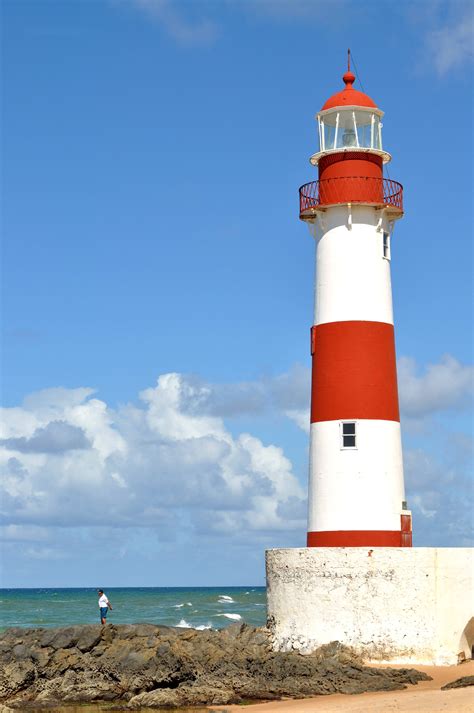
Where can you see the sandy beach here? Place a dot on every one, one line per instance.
(425, 697)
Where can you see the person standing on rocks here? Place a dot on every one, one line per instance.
(104, 606)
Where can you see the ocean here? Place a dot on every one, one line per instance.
(186, 607)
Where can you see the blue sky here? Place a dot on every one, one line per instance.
(157, 283)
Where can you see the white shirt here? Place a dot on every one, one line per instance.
(103, 601)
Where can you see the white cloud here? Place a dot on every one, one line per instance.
(283, 393)
(144, 465)
(171, 16)
(451, 46)
(300, 417)
(57, 436)
(49, 402)
(170, 409)
(446, 385)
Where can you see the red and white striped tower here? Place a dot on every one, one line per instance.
(356, 488)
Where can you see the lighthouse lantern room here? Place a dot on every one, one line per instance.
(356, 488)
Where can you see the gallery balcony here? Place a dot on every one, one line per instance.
(377, 192)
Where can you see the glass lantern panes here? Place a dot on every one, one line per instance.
(348, 434)
(350, 128)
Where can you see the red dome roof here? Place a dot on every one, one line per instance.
(349, 96)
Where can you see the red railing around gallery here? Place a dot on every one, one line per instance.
(350, 189)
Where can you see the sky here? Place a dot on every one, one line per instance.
(157, 284)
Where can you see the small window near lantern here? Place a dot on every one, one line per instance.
(386, 245)
(348, 434)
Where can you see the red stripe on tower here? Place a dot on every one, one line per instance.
(354, 372)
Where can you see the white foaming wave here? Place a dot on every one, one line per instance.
(224, 599)
(235, 617)
(178, 606)
(190, 604)
(183, 624)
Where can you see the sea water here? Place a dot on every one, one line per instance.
(185, 607)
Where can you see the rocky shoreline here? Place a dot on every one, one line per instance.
(144, 665)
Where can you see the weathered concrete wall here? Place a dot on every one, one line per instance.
(411, 605)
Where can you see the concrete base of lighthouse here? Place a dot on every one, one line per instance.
(398, 605)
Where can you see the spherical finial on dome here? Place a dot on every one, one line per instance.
(349, 79)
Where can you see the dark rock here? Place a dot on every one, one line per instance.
(48, 636)
(146, 665)
(40, 656)
(108, 633)
(89, 637)
(65, 638)
(130, 631)
(21, 651)
(337, 652)
(459, 683)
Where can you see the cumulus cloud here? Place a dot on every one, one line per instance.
(287, 393)
(443, 386)
(77, 462)
(56, 437)
(177, 22)
(451, 45)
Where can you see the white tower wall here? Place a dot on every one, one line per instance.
(352, 276)
(350, 487)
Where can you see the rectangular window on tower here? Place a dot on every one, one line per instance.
(348, 434)
(386, 245)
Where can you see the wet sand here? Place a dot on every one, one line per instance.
(425, 697)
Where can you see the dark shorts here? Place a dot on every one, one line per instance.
(103, 612)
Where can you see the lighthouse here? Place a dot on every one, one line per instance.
(359, 580)
(356, 488)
